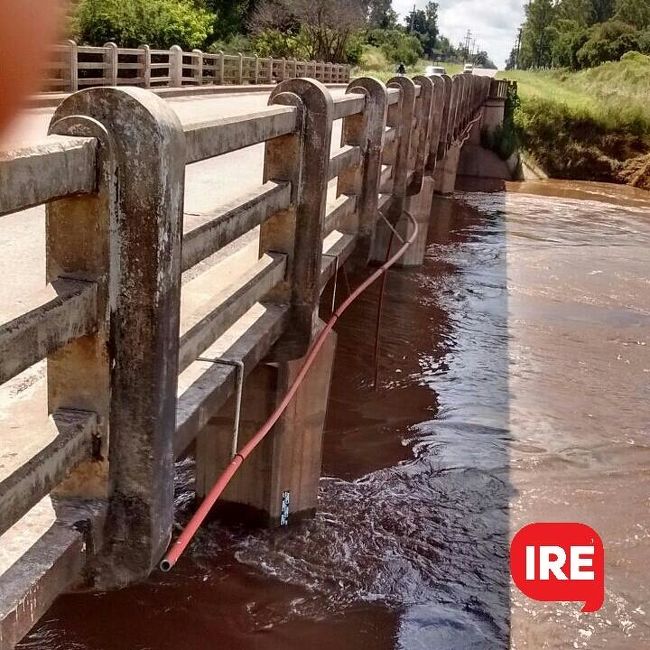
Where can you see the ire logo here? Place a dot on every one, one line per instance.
(559, 562)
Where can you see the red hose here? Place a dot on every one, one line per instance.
(217, 489)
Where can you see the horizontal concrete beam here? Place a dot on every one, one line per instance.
(50, 100)
(71, 443)
(57, 166)
(227, 306)
(232, 221)
(209, 139)
(63, 311)
(346, 157)
(31, 585)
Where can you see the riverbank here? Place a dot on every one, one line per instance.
(588, 125)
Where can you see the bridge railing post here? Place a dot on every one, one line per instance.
(365, 130)
(422, 132)
(437, 113)
(111, 56)
(73, 66)
(197, 72)
(301, 158)
(175, 66)
(145, 62)
(130, 243)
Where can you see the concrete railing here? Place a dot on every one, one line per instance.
(129, 388)
(78, 66)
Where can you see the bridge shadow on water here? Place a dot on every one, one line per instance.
(410, 546)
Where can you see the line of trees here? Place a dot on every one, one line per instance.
(343, 31)
(581, 33)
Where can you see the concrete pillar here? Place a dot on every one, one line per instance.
(145, 145)
(221, 68)
(145, 61)
(175, 66)
(444, 125)
(73, 66)
(365, 130)
(423, 131)
(403, 121)
(493, 114)
(300, 158)
(445, 176)
(111, 69)
(286, 466)
(198, 73)
(437, 112)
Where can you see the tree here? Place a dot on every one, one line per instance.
(536, 40)
(423, 23)
(230, 17)
(327, 26)
(381, 14)
(608, 41)
(130, 23)
(634, 12)
(602, 10)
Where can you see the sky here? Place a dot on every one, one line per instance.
(493, 22)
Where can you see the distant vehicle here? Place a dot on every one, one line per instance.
(468, 69)
(434, 69)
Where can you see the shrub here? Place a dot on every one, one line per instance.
(397, 46)
(233, 45)
(131, 23)
(373, 59)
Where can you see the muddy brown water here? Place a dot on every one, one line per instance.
(514, 385)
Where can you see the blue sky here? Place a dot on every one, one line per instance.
(494, 22)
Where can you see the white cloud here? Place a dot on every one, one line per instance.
(493, 24)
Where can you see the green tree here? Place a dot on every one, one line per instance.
(608, 41)
(634, 12)
(382, 15)
(423, 23)
(130, 23)
(579, 12)
(396, 45)
(602, 10)
(537, 35)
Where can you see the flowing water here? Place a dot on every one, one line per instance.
(513, 387)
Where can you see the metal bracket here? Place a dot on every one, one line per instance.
(390, 225)
(336, 278)
(239, 365)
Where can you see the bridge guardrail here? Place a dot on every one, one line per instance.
(127, 391)
(76, 66)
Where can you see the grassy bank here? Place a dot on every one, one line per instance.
(588, 125)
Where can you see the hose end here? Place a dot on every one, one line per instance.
(165, 566)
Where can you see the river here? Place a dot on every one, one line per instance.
(513, 387)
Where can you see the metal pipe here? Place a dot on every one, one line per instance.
(240, 389)
(217, 489)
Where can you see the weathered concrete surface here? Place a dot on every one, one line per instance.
(210, 185)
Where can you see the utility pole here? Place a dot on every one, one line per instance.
(468, 38)
(412, 19)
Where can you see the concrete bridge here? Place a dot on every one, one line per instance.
(163, 294)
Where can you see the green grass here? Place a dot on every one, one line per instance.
(589, 125)
(614, 94)
(390, 70)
